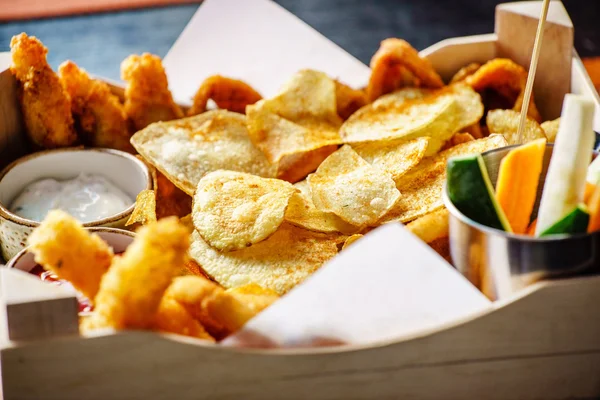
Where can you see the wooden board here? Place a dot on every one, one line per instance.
(541, 345)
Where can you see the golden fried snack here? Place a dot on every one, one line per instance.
(388, 65)
(172, 317)
(61, 245)
(229, 94)
(147, 95)
(45, 105)
(131, 290)
(457, 139)
(464, 72)
(348, 100)
(170, 200)
(237, 306)
(100, 118)
(508, 79)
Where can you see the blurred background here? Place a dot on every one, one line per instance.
(99, 34)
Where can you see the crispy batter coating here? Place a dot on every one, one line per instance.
(61, 245)
(174, 318)
(389, 66)
(348, 100)
(131, 290)
(45, 105)
(147, 95)
(464, 72)
(508, 79)
(229, 94)
(100, 118)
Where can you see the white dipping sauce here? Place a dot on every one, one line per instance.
(87, 197)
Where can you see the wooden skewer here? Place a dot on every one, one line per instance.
(532, 68)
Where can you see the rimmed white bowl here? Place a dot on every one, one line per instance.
(124, 170)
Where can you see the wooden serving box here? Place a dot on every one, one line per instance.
(542, 344)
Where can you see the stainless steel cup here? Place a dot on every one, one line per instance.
(500, 263)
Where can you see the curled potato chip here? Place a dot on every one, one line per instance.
(186, 149)
(506, 122)
(464, 72)
(233, 210)
(302, 117)
(278, 263)
(296, 167)
(395, 156)
(508, 79)
(457, 139)
(421, 188)
(350, 240)
(229, 94)
(431, 226)
(550, 128)
(302, 212)
(351, 188)
(348, 100)
(388, 66)
(437, 115)
(145, 208)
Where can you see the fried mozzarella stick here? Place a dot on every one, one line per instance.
(147, 95)
(100, 118)
(45, 105)
(131, 290)
(61, 245)
(229, 94)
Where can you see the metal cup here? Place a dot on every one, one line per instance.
(501, 263)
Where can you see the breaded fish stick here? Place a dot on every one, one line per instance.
(174, 318)
(45, 105)
(131, 290)
(147, 95)
(61, 245)
(100, 118)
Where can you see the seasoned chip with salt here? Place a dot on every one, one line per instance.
(551, 129)
(350, 240)
(278, 263)
(144, 211)
(431, 227)
(421, 188)
(296, 167)
(395, 156)
(233, 210)
(302, 212)
(185, 150)
(302, 117)
(506, 122)
(351, 188)
(438, 115)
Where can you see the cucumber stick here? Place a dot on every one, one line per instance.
(470, 190)
(565, 181)
(574, 222)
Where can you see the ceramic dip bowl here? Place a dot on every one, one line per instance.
(122, 169)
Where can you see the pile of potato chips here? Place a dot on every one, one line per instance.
(282, 189)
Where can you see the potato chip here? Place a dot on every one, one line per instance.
(506, 122)
(457, 139)
(550, 128)
(438, 116)
(421, 188)
(351, 239)
(278, 263)
(186, 149)
(431, 226)
(233, 210)
(145, 208)
(170, 200)
(302, 117)
(395, 156)
(302, 212)
(351, 188)
(296, 167)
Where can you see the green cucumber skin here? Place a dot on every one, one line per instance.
(574, 222)
(468, 192)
